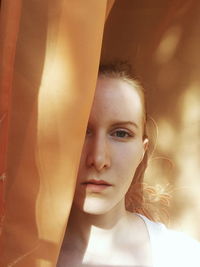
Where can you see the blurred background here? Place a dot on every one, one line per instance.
(162, 39)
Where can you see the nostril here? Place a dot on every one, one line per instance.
(98, 162)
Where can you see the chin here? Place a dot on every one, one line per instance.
(96, 206)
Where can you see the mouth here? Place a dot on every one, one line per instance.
(96, 186)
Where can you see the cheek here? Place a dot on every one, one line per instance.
(128, 156)
(126, 161)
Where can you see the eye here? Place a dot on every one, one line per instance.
(121, 134)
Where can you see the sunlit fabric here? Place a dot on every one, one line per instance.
(49, 60)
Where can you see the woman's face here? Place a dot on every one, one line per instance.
(113, 147)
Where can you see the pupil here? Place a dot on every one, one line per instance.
(120, 134)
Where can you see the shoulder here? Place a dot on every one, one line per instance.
(172, 248)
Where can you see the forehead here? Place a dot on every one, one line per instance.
(116, 99)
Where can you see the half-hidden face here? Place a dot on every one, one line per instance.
(113, 146)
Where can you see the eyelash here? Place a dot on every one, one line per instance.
(126, 134)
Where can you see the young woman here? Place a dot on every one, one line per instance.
(101, 231)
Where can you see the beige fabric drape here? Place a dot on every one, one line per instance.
(50, 53)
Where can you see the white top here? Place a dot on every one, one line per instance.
(171, 248)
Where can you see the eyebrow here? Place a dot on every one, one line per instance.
(118, 123)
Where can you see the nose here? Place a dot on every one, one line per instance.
(98, 155)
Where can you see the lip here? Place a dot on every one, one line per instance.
(96, 185)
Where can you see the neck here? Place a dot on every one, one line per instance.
(110, 237)
(84, 229)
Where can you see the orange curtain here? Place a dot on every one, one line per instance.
(50, 53)
(8, 37)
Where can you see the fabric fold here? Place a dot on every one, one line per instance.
(52, 85)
